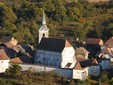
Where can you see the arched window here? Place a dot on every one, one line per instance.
(43, 35)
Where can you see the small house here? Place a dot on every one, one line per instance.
(4, 61)
(81, 52)
(9, 41)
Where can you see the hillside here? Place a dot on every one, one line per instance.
(81, 19)
(98, 1)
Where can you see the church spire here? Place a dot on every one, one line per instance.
(43, 30)
(44, 18)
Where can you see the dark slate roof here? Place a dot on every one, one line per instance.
(90, 62)
(83, 63)
(53, 44)
(5, 39)
(10, 52)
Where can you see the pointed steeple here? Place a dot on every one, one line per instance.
(44, 18)
(43, 30)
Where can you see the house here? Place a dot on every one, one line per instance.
(85, 67)
(109, 43)
(94, 68)
(4, 61)
(93, 45)
(55, 52)
(79, 72)
(9, 41)
(107, 53)
(107, 49)
(25, 48)
(104, 63)
(81, 52)
(94, 41)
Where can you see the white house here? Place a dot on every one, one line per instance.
(107, 49)
(107, 53)
(55, 52)
(79, 72)
(4, 61)
(81, 52)
(83, 68)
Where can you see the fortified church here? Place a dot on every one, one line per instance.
(55, 52)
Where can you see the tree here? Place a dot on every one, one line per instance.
(74, 13)
(7, 20)
(83, 83)
(5, 82)
(14, 69)
(111, 82)
(104, 76)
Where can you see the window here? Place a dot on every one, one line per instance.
(43, 35)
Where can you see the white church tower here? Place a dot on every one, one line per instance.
(43, 30)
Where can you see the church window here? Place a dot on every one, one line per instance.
(43, 35)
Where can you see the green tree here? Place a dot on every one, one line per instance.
(5, 82)
(74, 13)
(104, 76)
(83, 83)
(14, 69)
(7, 19)
(111, 82)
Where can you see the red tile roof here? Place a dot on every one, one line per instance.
(93, 40)
(103, 84)
(85, 62)
(67, 44)
(109, 42)
(108, 51)
(22, 59)
(3, 55)
(94, 61)
(78, 66)
(81, 59)
(81, 50)
(16, 60)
